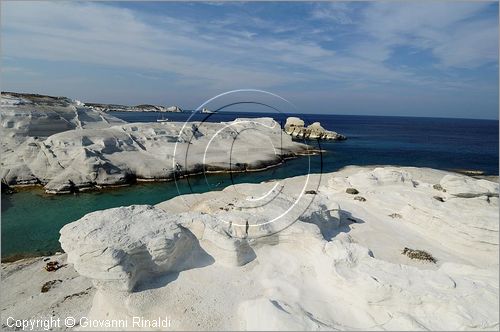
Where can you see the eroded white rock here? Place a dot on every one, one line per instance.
(338, 266)
(69, 148)
(295, 127)
(464, 186)
(117, 248)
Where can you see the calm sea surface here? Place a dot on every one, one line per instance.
(31, 220)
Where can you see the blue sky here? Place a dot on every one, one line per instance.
(375, 58)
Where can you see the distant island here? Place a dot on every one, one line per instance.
(136, 108)
(23, 98)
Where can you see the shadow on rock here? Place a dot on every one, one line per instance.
(198, 258)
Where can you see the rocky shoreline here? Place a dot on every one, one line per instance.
(397, 259)
(68, 147)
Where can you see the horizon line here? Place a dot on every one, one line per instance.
(192, 110)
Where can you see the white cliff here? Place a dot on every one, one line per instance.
(64, 147)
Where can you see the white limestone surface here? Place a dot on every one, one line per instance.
(54, 142)
(338, 266)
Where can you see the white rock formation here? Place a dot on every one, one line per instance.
(293, 122)
(295, 127)
(339, 266)
(118, 248)
(174, 108)
(27, 120)
(67, 148)
(467, 187)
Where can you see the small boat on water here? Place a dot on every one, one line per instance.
(207, 111)
(162, 119)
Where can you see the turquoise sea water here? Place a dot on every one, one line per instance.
(31, 219)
